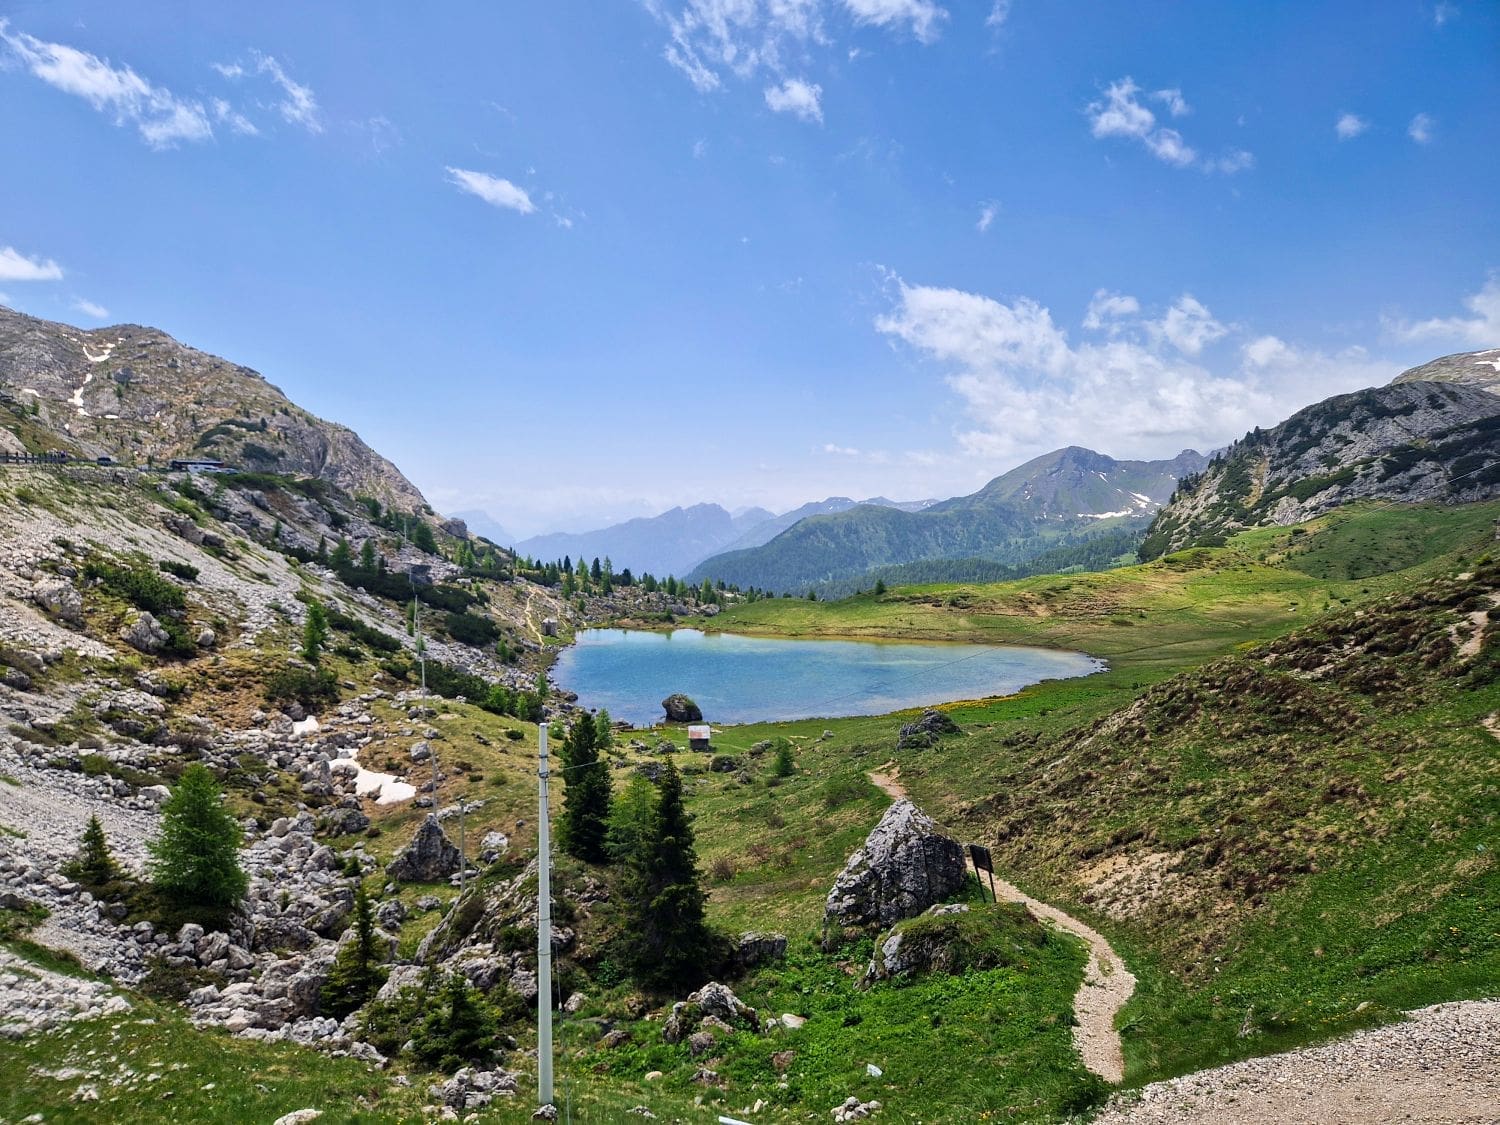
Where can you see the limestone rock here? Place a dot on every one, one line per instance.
(145, 634)
(59, 598)
(755, 949)
(925, 731)
(681, 709)
(714, 1001)
(429, 858)
(904, 866)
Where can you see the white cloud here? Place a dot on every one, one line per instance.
(161, 118)
(1349, 126)
(1107, 308)
(299, 106)
(999, 13)
(1443, 11)
(1174, 101)
(226, 113)
(987, 213)
(710, 41)
(922, 16)
(1420, 129)
(15, 266)
(1120, 113)
(231, 71)
(840, 450)
(1188, 326)
(88, 308)
(799, 98)
(1027, 388)
(1481, 329)
(493, 190)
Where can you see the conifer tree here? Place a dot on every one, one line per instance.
(459, 1027)
(367, 555)
(94, 865)
(585, 815)
(195, 853)
(664, 901)
(341, 556)
(314, 632)
(356, 974)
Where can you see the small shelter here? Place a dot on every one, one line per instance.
(698, 736)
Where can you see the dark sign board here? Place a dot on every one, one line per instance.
(981, 857)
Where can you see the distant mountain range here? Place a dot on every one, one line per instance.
(676, 541)
(1433, 434)
(482, 523)
(1063, 498)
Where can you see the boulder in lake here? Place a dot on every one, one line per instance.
(904, 866)
(681, 709)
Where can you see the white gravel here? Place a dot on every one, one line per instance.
(1441, 1064)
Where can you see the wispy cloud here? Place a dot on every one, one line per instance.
(840, 450)
(999, 13)
(1121, 113)
(89, 308)
(228, 115)
(1443, 12)
(15, 266)
(296, 103)
(494, 190)
(162, 119)
(713, 41)
(1482, 328)
(1349, 126)
(1027, 387)
(801, 99)
(1421, 128)
(921, 17)
(987, 212)
(1107, 309)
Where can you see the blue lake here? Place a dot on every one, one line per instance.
(738, 679)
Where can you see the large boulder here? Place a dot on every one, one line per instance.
(681, 709)
(59, 598)
(714, 1003)
(904, 866)
(925, 731)
(429, 858)
(145, 634)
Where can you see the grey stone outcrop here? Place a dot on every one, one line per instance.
(430, 857)
(925, 731)
(681, 709)
(904, 866)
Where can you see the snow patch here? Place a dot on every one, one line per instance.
(1104, 515)
(386, 788)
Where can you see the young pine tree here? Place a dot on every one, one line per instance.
(664, 902)
(314, 632)
(585, 815)
(783, 765)
(356, 974)
(94, 865)
(195, 853)
(367, 555)
(460, 1027)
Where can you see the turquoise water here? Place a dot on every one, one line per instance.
(737, 679)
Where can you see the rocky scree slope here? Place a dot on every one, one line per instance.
(139, 396)
(1409, 441)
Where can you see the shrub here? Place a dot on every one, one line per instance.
(306, 686)
(186, 571)
(142, 588)
(470, 629)
(459, 1027)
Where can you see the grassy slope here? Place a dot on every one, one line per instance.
(785, 840)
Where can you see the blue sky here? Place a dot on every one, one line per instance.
(574, 262)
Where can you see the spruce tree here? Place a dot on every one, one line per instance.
(367, 555)
(664, 901)
(356, 974)
(460, 1027)
(585, 815)
(314, 632)
(783, 765)
(195, 853)
(94, 865)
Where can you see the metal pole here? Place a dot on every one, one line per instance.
(543, 928)
(463, 856)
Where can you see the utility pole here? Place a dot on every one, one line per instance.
(463, 855)
(543, 928)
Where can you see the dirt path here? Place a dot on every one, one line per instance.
(1442, 1064)
(1491, 724)
(887, 780)
(1107, 983)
